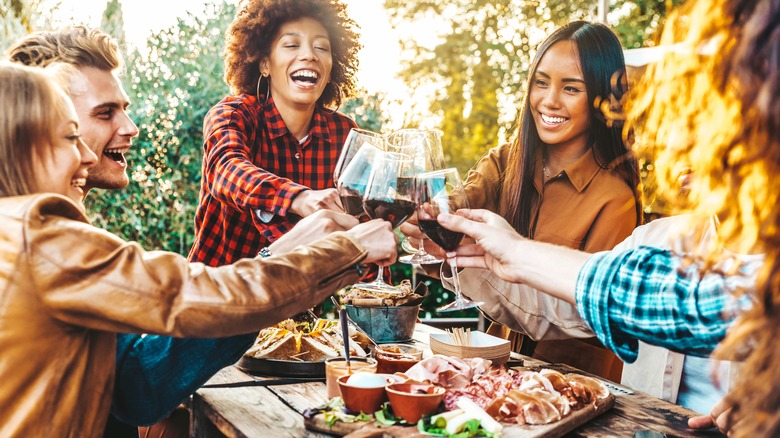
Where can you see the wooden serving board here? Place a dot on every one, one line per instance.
(552, 430)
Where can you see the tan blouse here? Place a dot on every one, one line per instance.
(583, 207)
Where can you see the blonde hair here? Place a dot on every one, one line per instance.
(726, 54)
(32, 107)
(75, 45)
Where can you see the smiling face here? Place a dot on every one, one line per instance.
(62, 166)
(101, 105)
(559, 99)
(299, 64)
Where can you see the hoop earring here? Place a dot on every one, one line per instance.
(267, 87)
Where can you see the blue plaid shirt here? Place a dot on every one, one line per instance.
(644, 294)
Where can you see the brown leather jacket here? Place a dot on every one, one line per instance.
(67, 287)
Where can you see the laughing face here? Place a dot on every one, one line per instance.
(559, 99)
(299, 64)
(62, 168)
(101, 105)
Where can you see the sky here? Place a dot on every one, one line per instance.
(143, 17)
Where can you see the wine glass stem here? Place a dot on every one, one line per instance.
(380, 275)
(421, 249)
(455, 280)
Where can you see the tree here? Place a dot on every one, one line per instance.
(19, 18)
(113, 22)
(366, 110)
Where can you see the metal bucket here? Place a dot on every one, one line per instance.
(385, 324)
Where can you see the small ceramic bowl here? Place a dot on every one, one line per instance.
(357, 399)
(411, 401)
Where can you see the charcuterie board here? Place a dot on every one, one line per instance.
(559, 428)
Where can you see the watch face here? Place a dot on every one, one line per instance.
(265, 252)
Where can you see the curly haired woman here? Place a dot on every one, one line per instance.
(271, 147)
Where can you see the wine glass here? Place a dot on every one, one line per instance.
(389, 197)
(355, 140)
(442, 191)
(424, 146)
(351, 185)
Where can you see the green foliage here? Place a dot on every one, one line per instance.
(113, 22)
(171, 87)
(365, 110)
(638, 26)
(21, 17)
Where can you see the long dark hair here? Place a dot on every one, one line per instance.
(603, 68)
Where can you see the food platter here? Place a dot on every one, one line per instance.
(281, 368)
(523, 402)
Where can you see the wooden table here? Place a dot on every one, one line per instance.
(276, 410)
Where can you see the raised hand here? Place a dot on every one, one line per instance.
(309, 202)
(312, 228)
(377, 237)
(496, 242)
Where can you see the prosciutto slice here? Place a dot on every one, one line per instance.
(524, 407)
(448, 372)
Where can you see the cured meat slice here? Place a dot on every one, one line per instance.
(586, 389)
(448, 372)
(523, 408)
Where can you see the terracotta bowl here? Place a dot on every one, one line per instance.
(356, 399)
(411, 401)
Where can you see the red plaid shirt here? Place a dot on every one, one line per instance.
(251, 162)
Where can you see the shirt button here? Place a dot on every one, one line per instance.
(298, 156)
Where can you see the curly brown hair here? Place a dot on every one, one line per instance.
(250, 36)
(730, 60)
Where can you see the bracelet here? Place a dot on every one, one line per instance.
(264, 253)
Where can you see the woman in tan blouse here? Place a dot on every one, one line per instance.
(567, 178)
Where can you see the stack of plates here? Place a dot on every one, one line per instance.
(482, 345)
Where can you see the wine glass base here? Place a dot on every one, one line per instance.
(416, 259)
(461, 304)
(379, 286)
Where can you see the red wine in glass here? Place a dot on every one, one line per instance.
(388, 197)
(353, 205)
(395, 211)
(446, 239)
(437, 192)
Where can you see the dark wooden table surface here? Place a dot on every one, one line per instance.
(225, 408)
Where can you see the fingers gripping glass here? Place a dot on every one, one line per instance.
(442, 192)
(388, 197)
(425, 148)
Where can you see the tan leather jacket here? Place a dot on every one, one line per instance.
(67, 287)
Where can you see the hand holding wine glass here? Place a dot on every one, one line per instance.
(388, 197)
(425, 148)
(438, 192)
